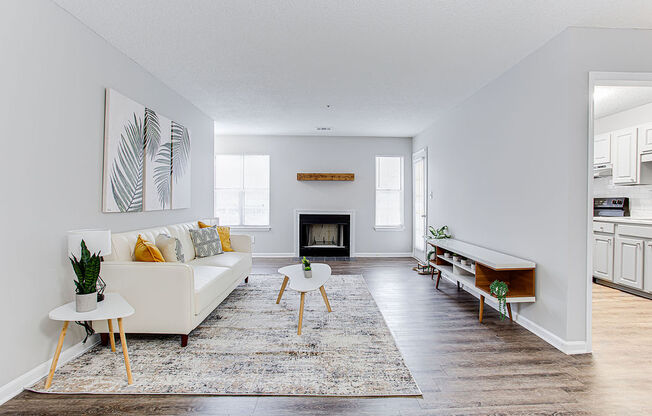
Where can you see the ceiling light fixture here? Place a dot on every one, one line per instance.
(324, 128)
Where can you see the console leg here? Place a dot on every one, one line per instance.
(481, 308)
(184, 340)
(509, 312)
(104, 339)
(247, 279)
(438, 279)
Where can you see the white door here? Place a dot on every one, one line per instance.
(628, 263)
(645, 137)
(603, 257)
(419, 203)
(647, 268)
(602, 149)
(625, 168)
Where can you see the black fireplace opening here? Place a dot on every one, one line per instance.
(324, 235)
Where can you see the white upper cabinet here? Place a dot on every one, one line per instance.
(602, 149)
(645, 138)
(625, 166)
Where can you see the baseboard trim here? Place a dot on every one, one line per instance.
(567, 347)
(292, 255)
(273, 255)
(17, 385)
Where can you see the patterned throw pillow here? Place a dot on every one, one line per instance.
(170, 248)
(206, 241)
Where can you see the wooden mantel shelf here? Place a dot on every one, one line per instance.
(325, 176)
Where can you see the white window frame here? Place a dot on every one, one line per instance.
(243, 227)
(401, 226)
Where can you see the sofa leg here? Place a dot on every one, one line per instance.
(104, 339)
(184, 340)
(247, 279)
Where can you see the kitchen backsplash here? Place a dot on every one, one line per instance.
(640, 196)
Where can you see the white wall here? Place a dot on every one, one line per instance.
(508, 167)
(292, 154)
(54, 71)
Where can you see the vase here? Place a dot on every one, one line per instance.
(307, 273)
(86, 302)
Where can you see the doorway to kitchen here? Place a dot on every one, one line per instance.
(419, 203)
(619, 290)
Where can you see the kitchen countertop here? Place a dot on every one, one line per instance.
(624, 220)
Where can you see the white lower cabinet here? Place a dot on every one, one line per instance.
(647, 268)
(628, 262)
(603, 257)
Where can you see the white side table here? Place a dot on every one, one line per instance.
(298, 281)
(113, 306)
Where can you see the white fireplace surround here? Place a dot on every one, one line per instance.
(350, 213)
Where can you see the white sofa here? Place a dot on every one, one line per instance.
(172, 298)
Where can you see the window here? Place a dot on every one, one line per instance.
(389, 192)
(242, 190)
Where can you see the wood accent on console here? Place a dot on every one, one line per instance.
(325, 176)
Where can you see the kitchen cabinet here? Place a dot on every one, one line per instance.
(647, 268)
(603, 256)
(625, 166)
(645, 138)
(628, 262)
(602, 148)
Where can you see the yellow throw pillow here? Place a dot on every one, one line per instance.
(146, 251)
(224, 233)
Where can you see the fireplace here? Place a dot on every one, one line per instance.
(324, 235)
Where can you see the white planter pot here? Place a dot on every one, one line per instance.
(86, 303)
(307, 274)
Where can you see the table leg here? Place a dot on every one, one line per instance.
(57, 352)
(481, 308)
(111, 337)
(123, 344)
(323, 295)
(280, 294)
(303, 298)
(509, 311)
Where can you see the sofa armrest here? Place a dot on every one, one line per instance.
(162, 294)
(241, 243)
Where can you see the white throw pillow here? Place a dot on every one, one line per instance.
(171, 248)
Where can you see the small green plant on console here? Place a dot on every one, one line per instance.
(499, 289)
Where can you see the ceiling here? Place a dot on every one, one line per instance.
(611, 100)
(385, 68)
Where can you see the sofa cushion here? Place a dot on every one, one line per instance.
(206, 242)
(237, 261)
(147, 251)
(181, 231)
(209, 282)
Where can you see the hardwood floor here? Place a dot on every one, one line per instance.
(462, 367)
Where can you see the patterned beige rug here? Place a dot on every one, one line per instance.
(249, 346)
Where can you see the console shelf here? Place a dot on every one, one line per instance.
(518, 274)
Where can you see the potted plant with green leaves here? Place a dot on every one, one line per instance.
(307, 270)
(436, 234)
(499, 289)
(87, 269)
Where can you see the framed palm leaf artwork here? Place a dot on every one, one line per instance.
(146, 158)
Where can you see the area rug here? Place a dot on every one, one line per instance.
(249, 346)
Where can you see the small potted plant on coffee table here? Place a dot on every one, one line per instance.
(307, 270)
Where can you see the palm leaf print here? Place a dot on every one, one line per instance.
(152, 133)
(180, 150)
(163, 173)
(127, 169)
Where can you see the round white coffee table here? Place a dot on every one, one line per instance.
(299, 282)
(113, 306)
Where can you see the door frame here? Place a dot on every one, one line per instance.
(421, 153)
(598, 78)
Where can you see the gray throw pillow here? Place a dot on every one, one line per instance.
(206, 241)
